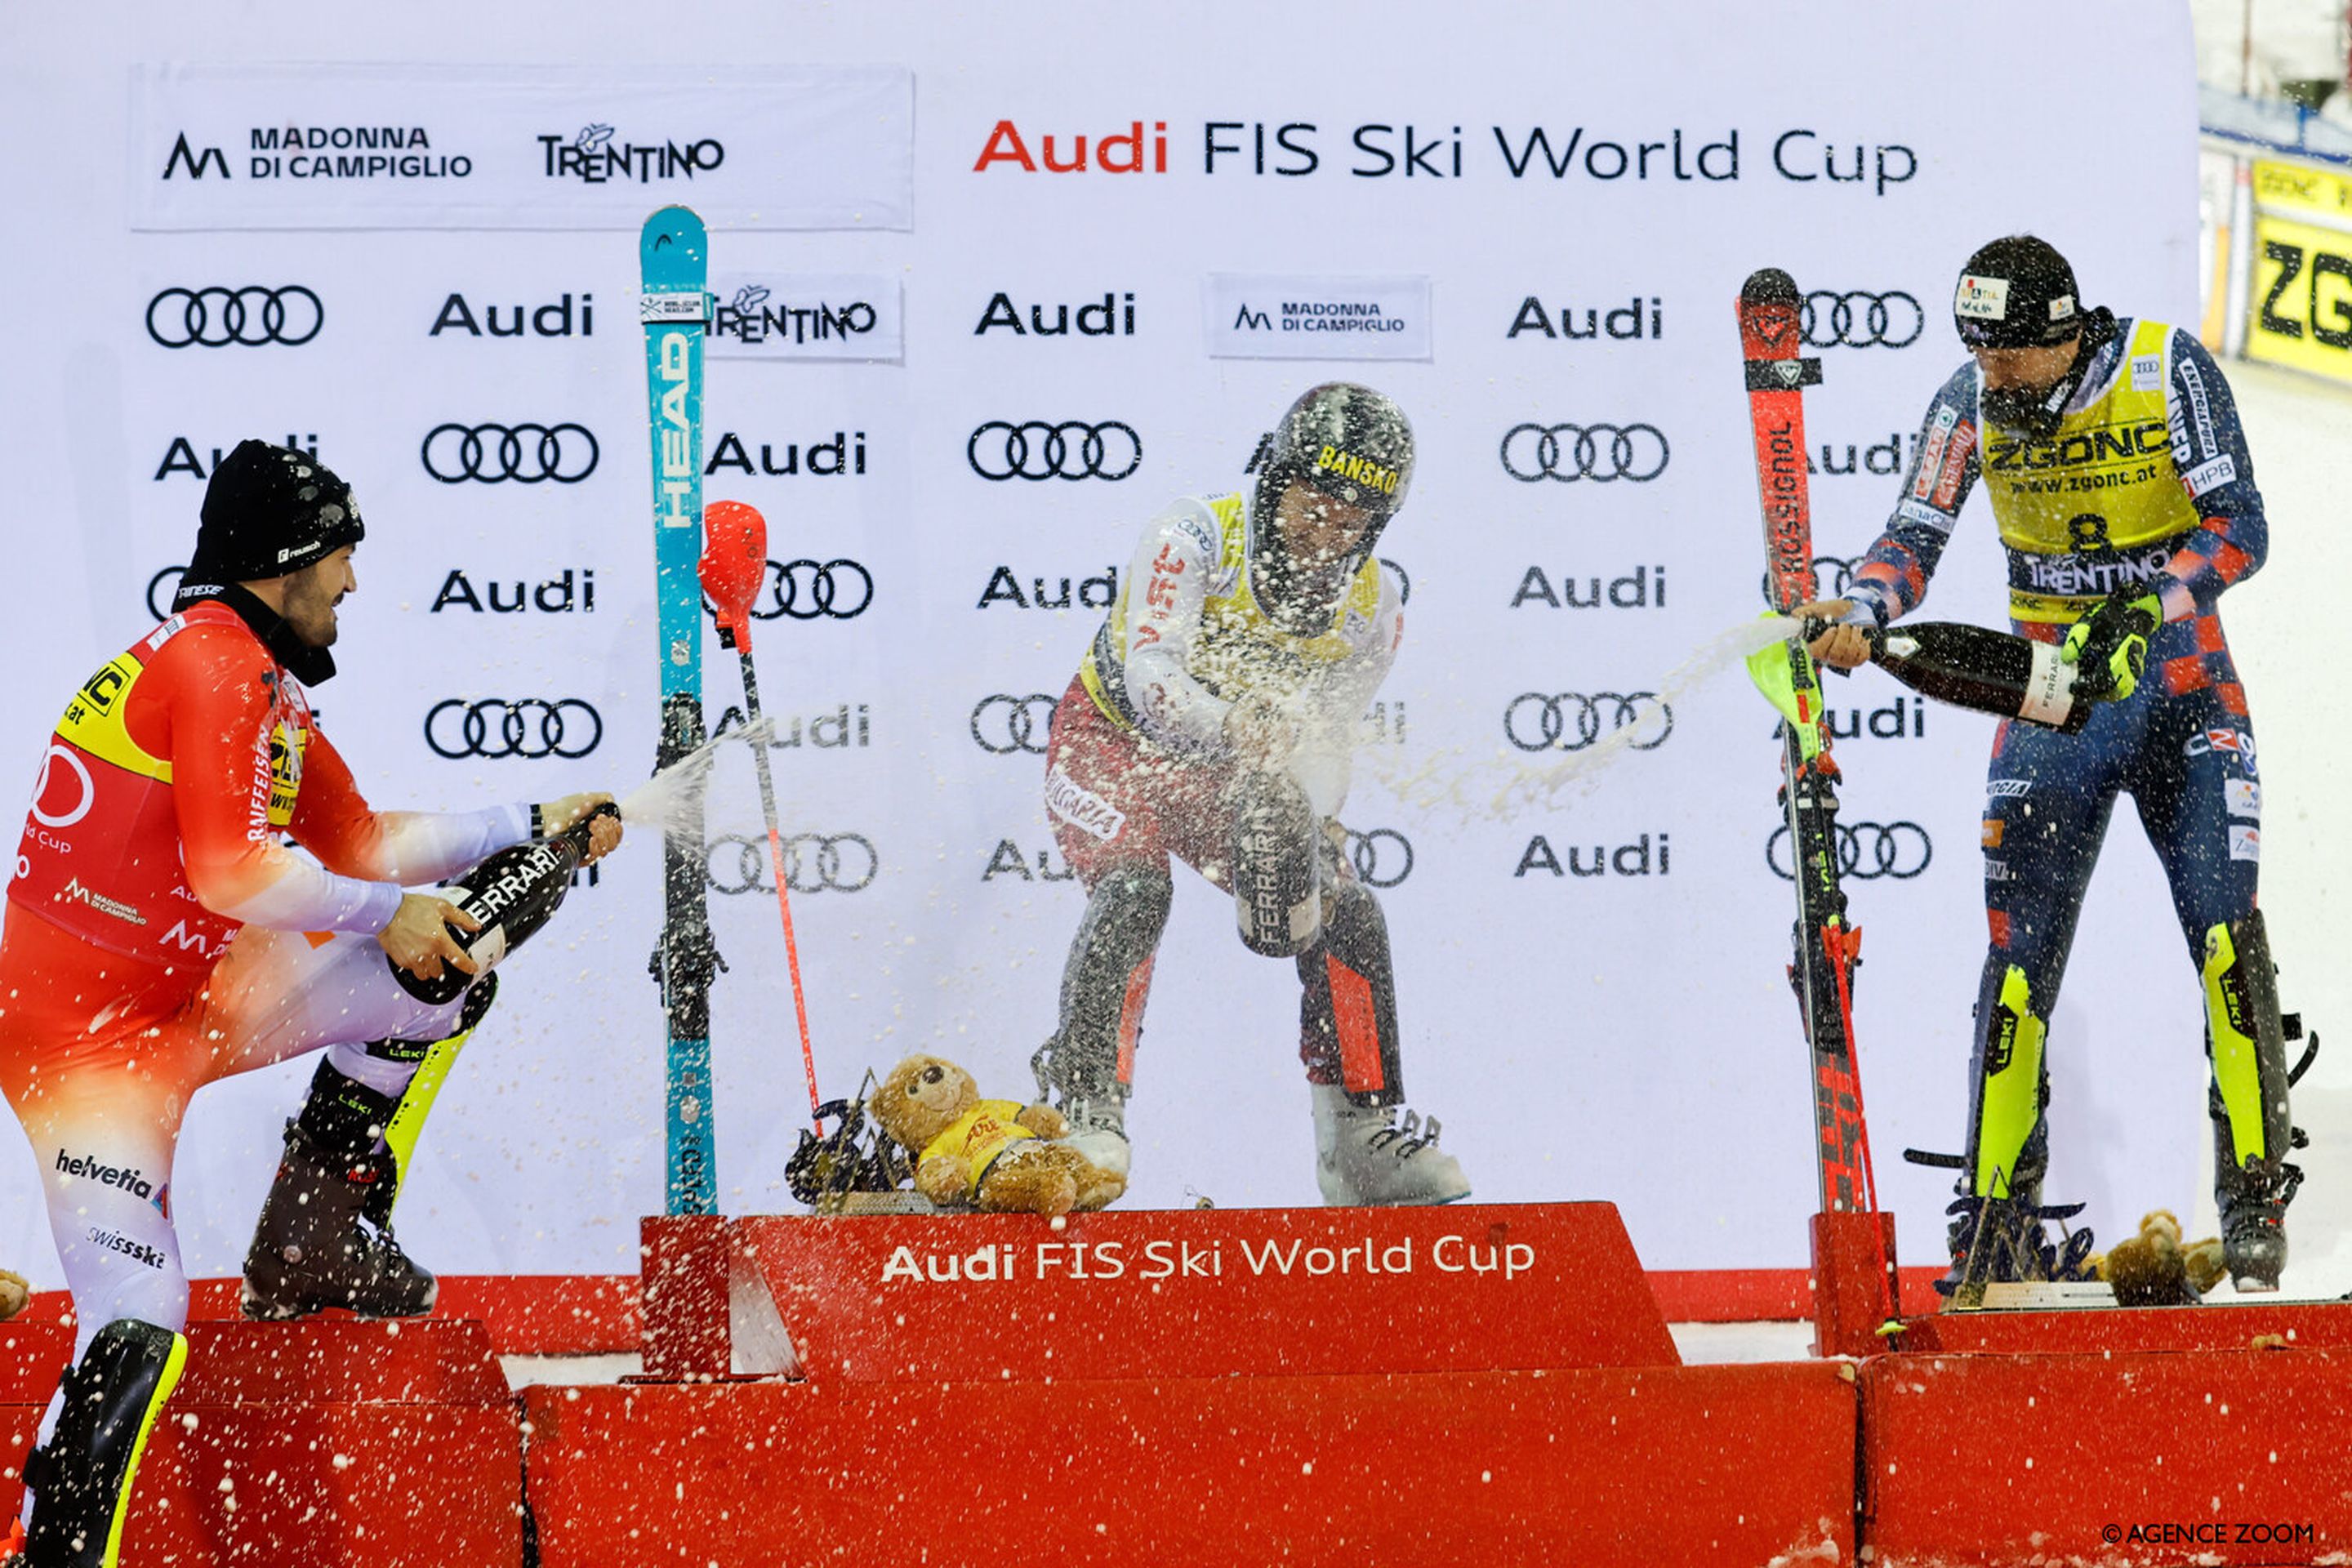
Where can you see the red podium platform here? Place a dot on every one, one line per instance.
(1471, 1385)
(322, 1442)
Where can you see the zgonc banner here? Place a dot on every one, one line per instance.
(992, 292)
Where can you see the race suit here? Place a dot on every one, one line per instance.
(1138, 767)
(2147, 480)
(159, 935)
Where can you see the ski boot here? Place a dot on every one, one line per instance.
(310, 1251)
(1367, 1157)
(81, 1479)
(2253, 1202)
(1093, 1101)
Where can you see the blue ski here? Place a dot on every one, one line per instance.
(675, 258)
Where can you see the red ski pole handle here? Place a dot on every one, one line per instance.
(734, 563)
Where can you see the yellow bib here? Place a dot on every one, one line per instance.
(2106, 482)
(1239, 645)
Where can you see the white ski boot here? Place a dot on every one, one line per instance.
(1366, 1156)
(1098, 1130)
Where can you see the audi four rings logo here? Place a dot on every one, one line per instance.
(1571, 721)
(252, 316)
(524, 727)
(806, 590)
(1833, 575)
(1004, 724)
(1383, 858)
(1866, 850)
(1072, 449)
(813, 863)
(1861, 320)
(1596, 452)
(527, 454)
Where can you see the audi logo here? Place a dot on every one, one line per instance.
(494, 453)
(251, 316)
(1596, 452)
(1571, 721)
(813, 863)
(1866, 850)
(523, 727)
(1861, 320)
(806, 590)
(1004, 724)
(1833, 575)
(1073, 449)
(1383, 858)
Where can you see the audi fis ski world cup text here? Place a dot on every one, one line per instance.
(1805, 155)
(1452, 1253)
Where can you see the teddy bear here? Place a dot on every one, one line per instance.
(13, 1293)
(2154, 1269)
(997, 1154)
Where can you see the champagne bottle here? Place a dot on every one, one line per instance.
(513, 893)
(1984, 670)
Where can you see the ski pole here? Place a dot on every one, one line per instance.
(734, 563)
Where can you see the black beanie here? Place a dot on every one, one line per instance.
(269, 512)
(2016, 292)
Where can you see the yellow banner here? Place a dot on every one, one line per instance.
(2300, 303)
(2299, 190)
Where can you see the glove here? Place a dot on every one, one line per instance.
(2108, 647)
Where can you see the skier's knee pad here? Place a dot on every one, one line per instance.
(81, 1477)
(1348, 1002)
(2247, 1040)
(1275, 895)
(2007, 1090)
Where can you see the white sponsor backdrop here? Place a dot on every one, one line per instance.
(1624, 1035)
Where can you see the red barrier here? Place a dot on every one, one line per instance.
(2108, 1459)
(321, 1443)
(1640, 1467)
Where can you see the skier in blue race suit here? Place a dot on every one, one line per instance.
(2111, 454)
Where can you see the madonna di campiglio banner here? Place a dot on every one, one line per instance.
(985, 306)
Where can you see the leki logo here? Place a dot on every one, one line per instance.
(1119, 153)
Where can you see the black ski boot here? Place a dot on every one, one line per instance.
(310, 1252)
(2252, 1201)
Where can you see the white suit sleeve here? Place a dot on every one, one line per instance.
(1166, 586)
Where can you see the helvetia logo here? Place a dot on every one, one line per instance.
(1128, 151)
(594, 158)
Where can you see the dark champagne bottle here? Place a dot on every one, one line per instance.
(513, 893)
(1984, 670)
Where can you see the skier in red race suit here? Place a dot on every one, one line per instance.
(159, 935)
(1211, 720)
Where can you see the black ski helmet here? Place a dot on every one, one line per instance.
(268, 511)
(1348, 442)
(2016, 292)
